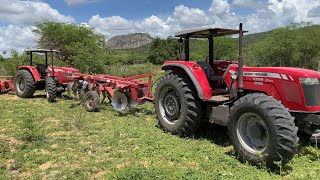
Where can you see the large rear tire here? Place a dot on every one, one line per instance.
(178, 107)
(51, 89)
(24, 84)
(262, 130)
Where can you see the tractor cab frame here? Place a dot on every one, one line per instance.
(211, 34)
(42, 68)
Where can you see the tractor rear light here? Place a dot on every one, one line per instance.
(309, 81)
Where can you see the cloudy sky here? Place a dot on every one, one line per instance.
(156, 17)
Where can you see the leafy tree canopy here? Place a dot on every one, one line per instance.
(79, 46)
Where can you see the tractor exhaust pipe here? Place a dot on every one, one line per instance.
(240, 61)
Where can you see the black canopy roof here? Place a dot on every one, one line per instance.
(41, 50)
(206, 32)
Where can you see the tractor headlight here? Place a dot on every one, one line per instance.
(309, 81)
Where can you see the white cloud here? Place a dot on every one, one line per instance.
(78, 2)
(28, 12)
(190, 16)
(267, 16)
(19, 17)
(281, 13)
(116, 25)
(251, 4)
(16, 37)
(219, 7)
(155, 26)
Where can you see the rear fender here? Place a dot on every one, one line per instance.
(34, 72)
(195, 73)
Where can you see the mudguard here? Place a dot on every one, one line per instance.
(195, 73)
(33, 71)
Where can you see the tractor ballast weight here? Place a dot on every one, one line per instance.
(263, 107)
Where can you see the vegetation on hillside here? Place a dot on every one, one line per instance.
(288, 46)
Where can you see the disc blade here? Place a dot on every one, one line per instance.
(132, 102)
(119, 101)
(69, 89)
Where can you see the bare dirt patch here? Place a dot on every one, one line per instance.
(9, 97)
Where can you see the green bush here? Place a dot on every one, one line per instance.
(32, 130)
(125, 70)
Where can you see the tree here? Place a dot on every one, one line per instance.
(163, 50)
(79, 46)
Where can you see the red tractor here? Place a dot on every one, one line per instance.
(263, 107)
(30, 78)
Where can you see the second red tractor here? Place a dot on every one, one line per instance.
(30, 78)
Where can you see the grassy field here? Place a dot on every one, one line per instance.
(61, 140)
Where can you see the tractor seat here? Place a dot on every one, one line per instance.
(41, 69)
(208, 71)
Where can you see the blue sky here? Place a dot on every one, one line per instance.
(129, 10)
(157, 17)
(125, 8)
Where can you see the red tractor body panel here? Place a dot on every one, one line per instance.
(195, 73)
(283, 83)
(33, 71)
(6, 84)
(62, 73)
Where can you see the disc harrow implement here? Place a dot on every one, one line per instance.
(121, 92)
(6, 84)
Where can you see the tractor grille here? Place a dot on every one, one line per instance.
(311, 94)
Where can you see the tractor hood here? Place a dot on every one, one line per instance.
(64, 69)
(300, 72)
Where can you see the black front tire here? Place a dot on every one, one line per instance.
(91, 101)
(51, 90)
(278, 125)
(178, 107)
(24, 84)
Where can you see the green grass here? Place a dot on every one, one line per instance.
(62, 140)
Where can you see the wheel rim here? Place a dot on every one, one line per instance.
(170, 105)
(252, 133)
(20, 84)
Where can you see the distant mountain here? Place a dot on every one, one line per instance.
(129, 41)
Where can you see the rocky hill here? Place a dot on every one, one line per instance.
(129, 41)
